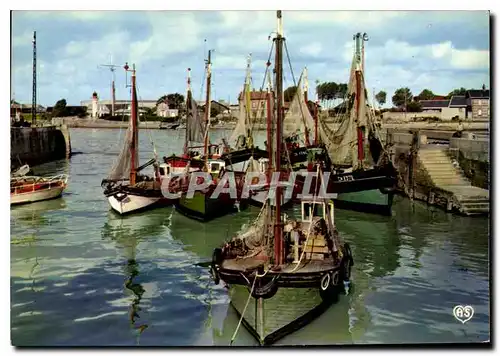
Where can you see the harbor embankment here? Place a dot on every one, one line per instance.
(37, 145)
(453, 176)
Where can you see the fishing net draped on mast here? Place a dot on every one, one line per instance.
(195, 126)
(341, 139)
(257, 236)
(298, 118)
(121, 168)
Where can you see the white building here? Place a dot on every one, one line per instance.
(163, 110)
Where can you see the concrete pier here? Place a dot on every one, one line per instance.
(37, 145)
(428, 172)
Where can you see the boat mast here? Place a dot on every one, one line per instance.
(306, 90)
(33, 103)
(316, 105)
(133, 114)
(246, 98)
(207, 109)
(358, 41)
(269, 123)
(278, 231)
(189, 97)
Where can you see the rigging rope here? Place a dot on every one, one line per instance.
(306, 134)
(147, 128)
(311, 223)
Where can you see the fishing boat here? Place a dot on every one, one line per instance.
(283, 273)
(195, 128)
(363, 175)
(30, 189)
(203, 204)
(128, 191)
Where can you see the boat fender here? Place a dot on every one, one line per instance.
(325, 281)
(216, 260)
(386, 190)
(335, 278)
(346, 269)
(267, 291)
(348, 253)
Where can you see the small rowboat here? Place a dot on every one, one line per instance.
(30, 189)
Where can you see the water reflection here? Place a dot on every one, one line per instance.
(36, 214)
(127, 233)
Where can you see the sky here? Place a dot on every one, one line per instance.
(438, 50)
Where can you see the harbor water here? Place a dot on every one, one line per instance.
(83, 276)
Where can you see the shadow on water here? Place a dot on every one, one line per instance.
(36, 214)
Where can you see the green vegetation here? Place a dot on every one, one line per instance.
(426, 94)
(414, 106)
(381, 97)
(289, 93)
(401, 97)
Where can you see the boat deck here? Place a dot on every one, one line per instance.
(309, 266)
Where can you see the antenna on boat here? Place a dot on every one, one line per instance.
(113, 91)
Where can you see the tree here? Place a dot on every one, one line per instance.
(381, 97)
(401, 97)
(289, 93)
(460, 91)
(59, 109)
(341, 90)
(426, 94)
(175, 100)
(414, 106)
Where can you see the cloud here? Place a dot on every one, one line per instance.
(313, 49)
(439, 50)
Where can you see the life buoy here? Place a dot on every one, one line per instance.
(335, 278)
(325, 282)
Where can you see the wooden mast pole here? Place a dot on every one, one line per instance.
(133, 113)
(306, 99)
(207, 110)
(278, 229)
(316, 104)
(269, 124)
(189, 97)
(359, 63)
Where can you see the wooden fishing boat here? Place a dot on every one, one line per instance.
(363, 174)
(203, 204)
(30, 189)
(128, 191)
(282, 273)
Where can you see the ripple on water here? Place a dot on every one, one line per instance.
(86, 277)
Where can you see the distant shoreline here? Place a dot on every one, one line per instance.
(446, 126)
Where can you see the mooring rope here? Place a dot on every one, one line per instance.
(246, 306)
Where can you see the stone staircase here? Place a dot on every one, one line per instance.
(444, 175)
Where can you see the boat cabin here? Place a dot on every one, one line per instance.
(321, 209)
(263, 165)
(215, 166)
